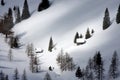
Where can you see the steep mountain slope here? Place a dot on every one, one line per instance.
(61, 21)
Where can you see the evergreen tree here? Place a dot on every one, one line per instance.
(16, 75)
(89, 70)
(17, 14)
(78, 73)
(43, 5)
(76, 37)
(2, 2)
(88, 35)
(2, 75)
(50, 45)
(16, 42)
(29, 49)
(32, 66)
(14, 8)
(25, 12)
(8, 21)
(106, 20)
(24, 76)
(10, 17)
(47, 77)
(118, 15)
(65, 61)
(92, 31)
(81, 36)
(37, 63)
(98, 66)
(6, 77)
(114, 67)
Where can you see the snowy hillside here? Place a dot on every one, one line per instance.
(61, 21)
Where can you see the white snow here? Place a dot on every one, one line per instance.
(61, 21)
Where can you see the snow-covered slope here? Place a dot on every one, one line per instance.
(61, 21)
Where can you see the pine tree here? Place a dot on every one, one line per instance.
(24, 76)
(89, 70)
(81, 36)
(76, 37)
(36, 63)
(2, 75)
(17, 14)
(118, 15)
(92, 31)
(8, 21)
(106, 20)
(16, 42)
(78, 73)
(50, 45)
(47, 77)
(98, 66)
(2, 2)
(88, 35)
(6, 77)
(16, 75)
(114, 67)
(43, 5)
(32, 66)
(65, 62)
(25, 12)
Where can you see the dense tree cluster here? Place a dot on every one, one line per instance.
(95, 68)
(3, 76)
(34, 58)
(65, 62)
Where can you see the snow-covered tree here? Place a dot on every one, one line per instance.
(25, 12)
(17, 14)
(106, 20)
(89, 74)
(114, 67)
(118, 15)
(30, 49)
(65, 61)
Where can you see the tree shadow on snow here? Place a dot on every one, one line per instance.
(2, 67)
